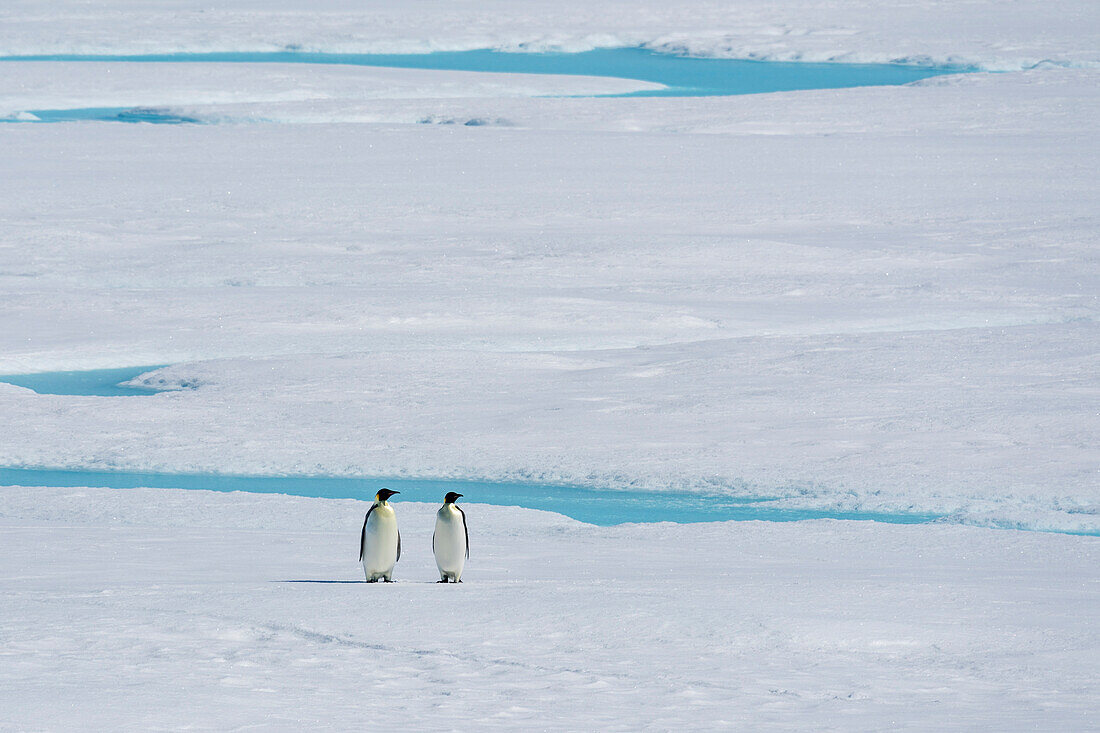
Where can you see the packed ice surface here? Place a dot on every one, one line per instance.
(892, 310)
(984, 32)
(153, 609)
(54, 85)
(867, 298)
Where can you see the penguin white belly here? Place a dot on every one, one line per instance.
(380, 543)
(450, 543)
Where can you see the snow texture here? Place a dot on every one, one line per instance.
(878, 298)
(893, 309)
(76, 85)
(1025, 34)
(163, 609)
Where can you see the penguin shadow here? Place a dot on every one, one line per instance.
(325, 582)
(362, 582)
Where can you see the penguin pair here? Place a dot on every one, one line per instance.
(380, 542)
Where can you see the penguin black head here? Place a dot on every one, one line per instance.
(450, 497)
(385, 494)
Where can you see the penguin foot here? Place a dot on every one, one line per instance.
(441, 581)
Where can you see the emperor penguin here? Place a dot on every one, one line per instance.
(380, 543)
(451, 540)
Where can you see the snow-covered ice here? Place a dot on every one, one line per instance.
(893, 311)
(68, 85)
(153, 609)
(875, 299)
(983, 32)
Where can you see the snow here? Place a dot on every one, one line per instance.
(878, 298)
(144, 609)
(980, 32)
(60, 85)
(891, 310)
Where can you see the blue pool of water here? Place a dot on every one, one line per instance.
(684, 76)
(587, 504)
(109, 114)
(592, 505)
(98, 382)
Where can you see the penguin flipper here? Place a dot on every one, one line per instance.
(465, 531)
(363, 536)
(398, 546)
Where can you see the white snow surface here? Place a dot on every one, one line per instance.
(158, 609)
(879, 298)
(987, 33)
(55, 85)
